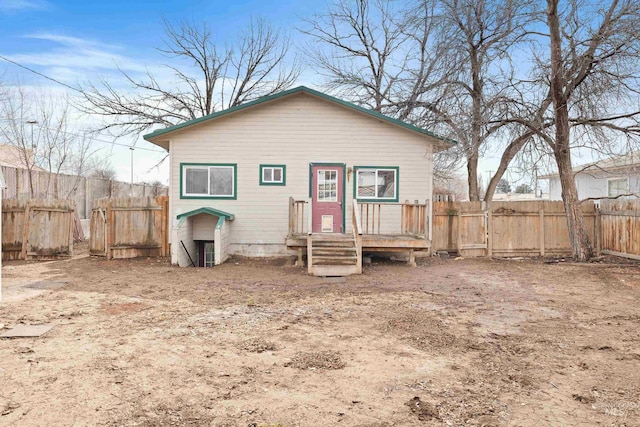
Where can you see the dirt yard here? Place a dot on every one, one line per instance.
(259, 343)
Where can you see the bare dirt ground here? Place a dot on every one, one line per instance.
(259, 343)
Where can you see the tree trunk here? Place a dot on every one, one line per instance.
(472, 177)
(578, 236)
(509, 153)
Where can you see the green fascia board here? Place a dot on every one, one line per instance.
(210, 211)
(220, 222)
(299, 89)
(380, 199)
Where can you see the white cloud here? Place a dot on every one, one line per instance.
(76, 56)
(20, 5)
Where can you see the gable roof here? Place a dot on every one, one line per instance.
(611, 164)
(300, 89)
(206, 210)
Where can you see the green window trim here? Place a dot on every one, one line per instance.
(278, 183)
(376, 199)
(234, 196)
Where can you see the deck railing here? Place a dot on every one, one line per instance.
(413, 217)
(299, 216)
(373, 218)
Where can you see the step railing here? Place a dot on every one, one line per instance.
(356, 224)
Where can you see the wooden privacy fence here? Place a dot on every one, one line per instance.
(130, 227)
(37, 229)
(504, 229)
(620, 225)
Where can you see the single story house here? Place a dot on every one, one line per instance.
(613, 177)
(298, 171)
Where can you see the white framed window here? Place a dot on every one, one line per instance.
(209, 254)
(327, 185)
(617, 186)
(376, 183)
(273, 175)
(200, 180)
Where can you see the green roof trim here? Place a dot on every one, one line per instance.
(210, 211)
(299, 89)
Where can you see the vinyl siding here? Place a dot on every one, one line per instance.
(590, 186)
(295, 131)
(204, 226)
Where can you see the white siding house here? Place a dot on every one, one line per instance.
(249, 161)
(613, 177)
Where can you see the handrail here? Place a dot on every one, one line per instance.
(356, 219)
(310, 218)
(357, 233)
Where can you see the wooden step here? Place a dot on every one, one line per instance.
(334, 251)
(332, 243)
(334, 260)
(335, 270)
(333, 255)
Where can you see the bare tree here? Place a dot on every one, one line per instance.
(388, 56)
(591, 74)
(38, 128)
(104, 172)
(207, 77)
(442, 64)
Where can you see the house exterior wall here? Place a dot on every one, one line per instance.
(594, 185)
(293, 131)
(204, 226)
(182, 232)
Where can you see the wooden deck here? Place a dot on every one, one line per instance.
(337, 254)
(372, 242)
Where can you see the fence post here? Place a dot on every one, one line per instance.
(25, 234)
(109, 229)
(542, 231)
(489, 229)
(597, 244)
(459, 231)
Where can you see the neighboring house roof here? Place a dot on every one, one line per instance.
(621, 163)
(13, 156)
(154, 136)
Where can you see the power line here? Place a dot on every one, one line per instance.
(75, 89)
(94, 138)
(102, 140)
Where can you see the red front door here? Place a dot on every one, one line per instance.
(326, 198)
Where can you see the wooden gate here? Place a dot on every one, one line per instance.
(37, 229)
(130, 227)
(472, 234)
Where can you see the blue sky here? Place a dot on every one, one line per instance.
(79, 40)
(97, 34)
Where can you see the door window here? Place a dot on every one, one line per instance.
(327, 186)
